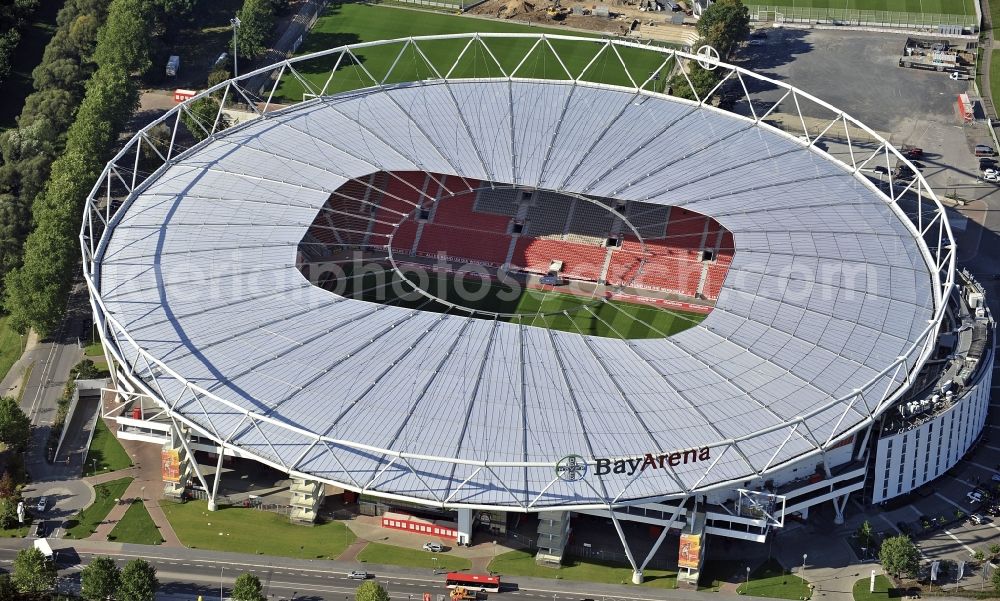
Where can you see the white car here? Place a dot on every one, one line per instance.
(433, 547)
(992, 177)
(996, 477)
(976, 519)
(42, 503)
(990, 171)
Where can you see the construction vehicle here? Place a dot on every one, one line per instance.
(460, 593)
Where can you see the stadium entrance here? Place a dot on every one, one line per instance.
(566, 262)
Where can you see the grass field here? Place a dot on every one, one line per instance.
(10, 346)
(106, 495)
(522, 563)
(106, 453)
(254, 531)
(136, 527)
(770, 580)
(551, 309)
(411, 558)
(938, 7)
(883, 590)
(353, 23)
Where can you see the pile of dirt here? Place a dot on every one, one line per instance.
(514, 8)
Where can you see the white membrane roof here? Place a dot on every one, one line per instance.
(828, 288)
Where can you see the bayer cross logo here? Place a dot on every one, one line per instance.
(571, 468)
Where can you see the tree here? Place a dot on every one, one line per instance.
(899, 555)
(371, 591)
(200, 116)
(137, 582)
(8, 514)
(702, 79)
(14, 424)
(84, 370)
(865, 535)
(247, 588)
(723, 25)
(7, 590)
(256, 21)
(996, 580)
(124, 40)
(33, 574)
(994, 550)
(218, 76)
(99, 580)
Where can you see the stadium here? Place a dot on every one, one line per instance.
(536, 283)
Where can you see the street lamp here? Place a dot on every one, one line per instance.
(222, 570)
(804, 557)
(748, 578)
(235, 22)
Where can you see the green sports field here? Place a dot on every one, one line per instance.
(543, 308)
(343, 24)
(942, 7)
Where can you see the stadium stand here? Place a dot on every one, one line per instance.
(497, 201)
(472, 224)
(548, 216)
(581, 261)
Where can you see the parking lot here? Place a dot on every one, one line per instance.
(858, 72)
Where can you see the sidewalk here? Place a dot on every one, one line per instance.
(147, 484)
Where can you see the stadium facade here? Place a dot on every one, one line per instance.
(841, 354)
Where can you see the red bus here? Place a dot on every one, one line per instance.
(474, 582)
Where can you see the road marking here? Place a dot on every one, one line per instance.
(987, 468)
(965, 546)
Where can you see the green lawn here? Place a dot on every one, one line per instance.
(943, 7)
(411, 558)
(85, 523)
(554, 310)
(95, 349)
(106, 452)
(136, 527)
(770, 580)
(353, 23)
(995, 74)
(522, 563)
(882, 592)
(10, 346)
(254, 531)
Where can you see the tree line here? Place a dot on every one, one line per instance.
(12, 22)
(723, 25)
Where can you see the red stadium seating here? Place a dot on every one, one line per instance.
(464, 243)
(455, 228)
(581, 261)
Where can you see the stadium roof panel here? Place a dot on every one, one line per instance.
(828, 287)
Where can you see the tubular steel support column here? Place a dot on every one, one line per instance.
(636, 570)
(212, 506)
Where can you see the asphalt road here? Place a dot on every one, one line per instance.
(186, 573)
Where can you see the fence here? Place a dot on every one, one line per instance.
(849, 16)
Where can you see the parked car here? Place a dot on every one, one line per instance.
(359, 575)
(433, 547)
(982, 150)
(977, 519)
(986, 172)
(986, 163)
(42, 530)
(912, 152)
(992, 177)
(880, 170)
(42, 503)
(995, 477)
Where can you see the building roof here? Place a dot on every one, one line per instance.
(829, 287)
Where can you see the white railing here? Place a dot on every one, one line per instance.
(120, 183)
